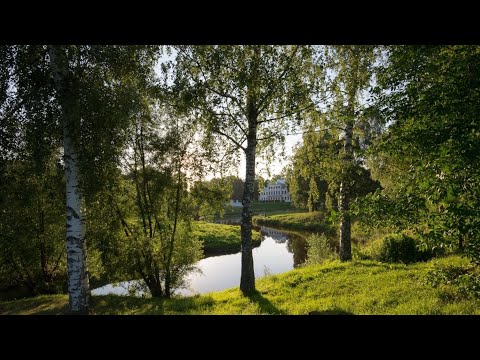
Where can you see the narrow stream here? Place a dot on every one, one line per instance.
(278, 252)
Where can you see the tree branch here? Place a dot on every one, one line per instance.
(262, 103)
(313, 131)
(215, 91)
(286, 115)
(58, 260)
(231, 139)
(232, 117)
(268, 137)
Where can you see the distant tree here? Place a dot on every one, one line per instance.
(247, 95)
(217, 191)
(314, 174)
(238, 188)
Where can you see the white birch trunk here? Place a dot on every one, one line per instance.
(78, 284)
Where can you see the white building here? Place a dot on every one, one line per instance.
(277, 191)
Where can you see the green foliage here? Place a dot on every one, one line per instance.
(153, 207)
(313, 195)
(108, 84)
(238, 186)
(427, 161)
(319, 249)
(311, 174)
(217, 80)
(32, 226)
(370, 251)
(314, 173)
(218, 194)
(456, 281)
(397, 247)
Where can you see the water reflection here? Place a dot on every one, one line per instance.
(296, 243)
(278, 252)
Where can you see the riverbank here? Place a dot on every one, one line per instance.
(262, 208)
(304, 221)
(357, 287)
(220, 238)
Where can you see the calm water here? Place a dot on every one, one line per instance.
(278, 252)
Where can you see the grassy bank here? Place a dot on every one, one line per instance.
(219, 238)
(358, 287)
(306, 221)
(268, 208)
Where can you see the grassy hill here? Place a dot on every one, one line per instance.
(357, 287)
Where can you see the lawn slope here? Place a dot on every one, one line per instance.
(357, 287)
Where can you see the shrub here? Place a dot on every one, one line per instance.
(371, 251)
(401, 247)
(319, 249)
(398, 248)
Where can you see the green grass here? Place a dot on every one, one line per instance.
(306, 221)
(357, 287)
(268, 208)
(219, 238)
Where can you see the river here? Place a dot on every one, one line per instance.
(278, 252)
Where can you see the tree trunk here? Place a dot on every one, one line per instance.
(345, 221)
(247, 279)
(78, 284)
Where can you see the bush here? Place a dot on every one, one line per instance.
(400, 247)
(371, 251)
(319, 249)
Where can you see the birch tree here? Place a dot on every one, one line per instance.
(77, 98)
(248, 95)
(66, 88)
(351, 71)
(98, 90)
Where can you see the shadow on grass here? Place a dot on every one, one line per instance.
(41, 305)
(264, 304)
(119, 305)
(334, 311)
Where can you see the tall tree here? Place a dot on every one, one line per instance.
(155, 211)
(90, 100)
(351, 71)
(247, 95)
(66, 87)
